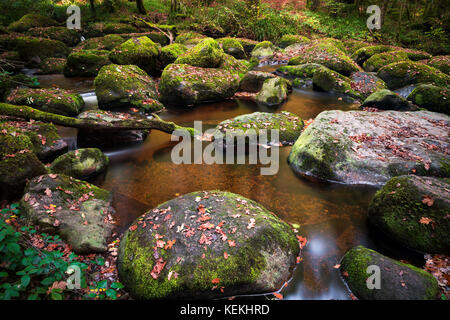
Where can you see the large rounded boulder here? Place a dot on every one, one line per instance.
(206, 245)
(431, 97)
(81, 163)
(274, 92)
(85, 63)
(386, 100)
(206, 54)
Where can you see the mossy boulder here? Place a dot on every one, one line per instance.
(85, 63)
(274, 92)
(431, 97)
(413, 211)
(289, 39)
(358, 147)
(379, 60)
(9, 82)
(247, 44)
(170, 53)
(124, 85)
(10, 61)
(441, 63)
(108, 42)
(288, 125)
(401, 74)
(387, 100)
(183, 84)
(76, 210)
(184, 37)
(206, 54)
(351, 46)
(253, 81)
(40, 48)
(58, 101)
(142, 52)
(206, 245)
(69, 37)
(263, 49)
(235, 66)
(233, 47)
(31, 20)
(326, 54)
(52, 66)
(306, 70)
(398, 281)
(81, 163)
(363, 54)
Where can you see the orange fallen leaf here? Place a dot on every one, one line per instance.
(278, 295)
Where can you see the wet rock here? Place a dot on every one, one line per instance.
(363, 54)
(289, 125)
(108, 42)
(52, 66)
(242, 248)
(413, 211)
(182, 84)
(253, 81)
(387, 100)
(206, 54)
(170, 53)
(56, 101)
(379, 60)
(69, 37)
(441, 63)
(34, 50)
(86, 63)
(263, 49)
(274, 92)
(141, 52)
(398, 281)
(358, 147)
(81, 163)
(289, 39)
(78, 211)
(401, 74)
(31, 20)
(124, 86)
(232, 47)
(431, 97)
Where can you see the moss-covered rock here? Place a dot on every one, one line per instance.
(52, 66)
(363, 54)
(235, 66)
(288, 125)
(183, 84)
(118, 28)
(69, 37)
(10, 61)
(222, 252)
(108, 42)
(431, 97)
(398, 281)
(379, 60)
(351, 46)
(253, 81)
(81, 163)
(78, 211)
(247, 44)
(121, 85)
(142, 52)
(289, 39)
(400, 74)
(9, 82)
(184, 37)
(358, 147)
(326, 54)
(386, 100)
(31, 20)
(170, 53)
(306, 70)
(233, 47)
(85, 63)
(30, 48)
(413, 211)
(206, 54)
(441, 63)
(56, 101)
(263, 49)
(274, 92)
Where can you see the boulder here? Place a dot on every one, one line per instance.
(38, 49)
(31, 20)
(263, 49)
(170, 53)
(108, 42)
(413, 211)
(401, 74)
(81, 163)
(77, 211)
(206, 54)
(442, 63)
(52, 66)
(351, 46)
(182, 84)
(363, 54)
(206, 245)
(184, 37)
(85, 63)
(233, 47)
(358, 147)
(379, 60)
(398, 281)
(9, 82)
(141, 52)
(289, 39)
(124, 85)
(235, 66)
(431, 97)
(387, 100)
(302, 71)
(69, 37)
(58, 101)
(253, 81)
(274, 92)
(247, 44)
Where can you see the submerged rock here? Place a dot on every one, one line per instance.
(413, 211)
(274, 92)
(431, 97)
(206, 245)
(398, 281)
(387, 100)
(81, 163)
(358, 147)
(85, 63)
(253, 81)
(56, 101)
(78, 211)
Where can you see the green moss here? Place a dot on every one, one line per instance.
(108, 42)
(362, 54)
(85, 63)
(331, 81)
(288, 39)
(379, 60)
(263, 49)
(235, 66)
(431, 97)
(351, 46)
(184, 37)
(31, 20)
(232, 47)
(306, 70)
(67, 36)
(80, 163)
(170, 53)
(30, 47)
(441, 63)
(52, 66)
(206, 54)
(273, 92)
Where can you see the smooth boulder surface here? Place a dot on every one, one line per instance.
(387, 100)
(414, 211)
(81, 163)
(274, 92)
(78, 211)
(358, 147)
(398, 281)
(206, 245)
(431, 97)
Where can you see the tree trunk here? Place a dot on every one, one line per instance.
(92, 5)
(140, 7)
(28, 113)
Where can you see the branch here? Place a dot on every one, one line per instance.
(168, 34)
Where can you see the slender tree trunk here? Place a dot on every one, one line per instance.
(140, 7)
(92, 5)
